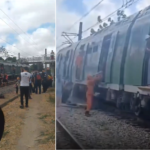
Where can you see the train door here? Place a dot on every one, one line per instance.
(60, 65)
(104, 54)
(69, 64)
(66, 59)
(146, 64)
(57, 64)
(87, 62)
(80, 62)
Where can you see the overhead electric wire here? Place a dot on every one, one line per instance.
(13, 28)
(13, 21)
(86, 14)
(106, 17)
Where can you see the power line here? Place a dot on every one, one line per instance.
(125, 6)
(15, 24)
(108, 16)
(86, 14)
(12, 21)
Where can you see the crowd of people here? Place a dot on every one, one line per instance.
(3, 79)
(32, 83)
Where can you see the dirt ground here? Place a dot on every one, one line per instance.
(30, 128)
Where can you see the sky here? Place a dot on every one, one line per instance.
(27, 26)
(69, 11)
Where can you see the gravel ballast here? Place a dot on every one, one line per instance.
(102, 130)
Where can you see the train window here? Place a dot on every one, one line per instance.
(82, 47)
(89, 50)
(95, 48)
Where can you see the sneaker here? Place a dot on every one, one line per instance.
(21, 106)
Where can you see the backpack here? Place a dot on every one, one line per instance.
(49, 77)
(38, 77)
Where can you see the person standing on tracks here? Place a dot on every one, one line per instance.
(91, 81)
(24, 87)
(38, 80)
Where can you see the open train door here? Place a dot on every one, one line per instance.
(104, 53)
(2, 123)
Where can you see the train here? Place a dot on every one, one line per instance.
(120, 52)
(12, 69)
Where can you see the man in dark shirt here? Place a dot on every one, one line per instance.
(44, 81)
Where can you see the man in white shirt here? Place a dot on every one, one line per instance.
(24, 86)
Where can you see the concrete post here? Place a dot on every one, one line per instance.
(80, 32)
(45, 58)
(18, 57)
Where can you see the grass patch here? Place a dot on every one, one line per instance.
(51, 99)
(53, 121)
(51, 90)
(46, 138)
(5, 133)
(44, 116)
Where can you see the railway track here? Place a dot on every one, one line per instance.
(129, 117)
(65, 139)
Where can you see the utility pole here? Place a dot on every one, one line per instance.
(45, 59)
(80, 32)
(68, 35)
(19, 57)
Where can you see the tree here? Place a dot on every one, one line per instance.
(13, 59)
(1, 59)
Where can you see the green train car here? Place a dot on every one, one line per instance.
(13, 70)
(121, 52)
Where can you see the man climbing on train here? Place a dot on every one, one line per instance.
(91, 81)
